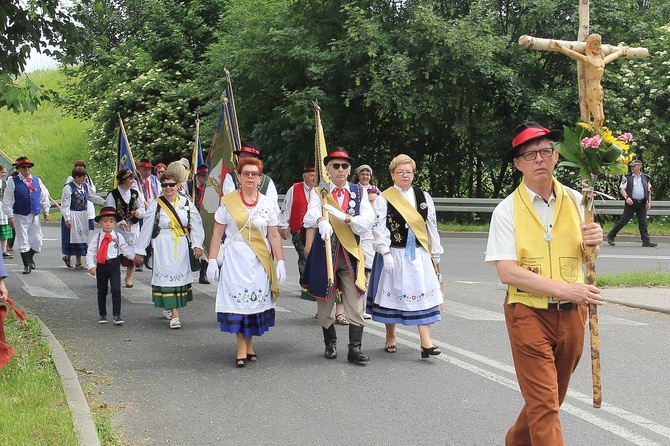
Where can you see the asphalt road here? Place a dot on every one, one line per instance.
(181, 387)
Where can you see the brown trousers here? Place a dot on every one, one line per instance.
(546, 348)
(350, 297)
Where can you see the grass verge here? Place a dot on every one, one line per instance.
(634, 279)
(33, 405)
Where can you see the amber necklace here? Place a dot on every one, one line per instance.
(246, 203)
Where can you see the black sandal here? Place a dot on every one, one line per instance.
(251, 357)
(241, 362)
(430, 351)
(67, 261)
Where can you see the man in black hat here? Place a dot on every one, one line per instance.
(25, 196)
(267, 186)
(535, 241)
(635, 189)
(293, 212)
(350, 215)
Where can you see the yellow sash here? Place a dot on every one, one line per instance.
(175, 224)
(348, 241)
(256, 241)
(415, 221)
(561, 257)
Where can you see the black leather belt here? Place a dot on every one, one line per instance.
(562, 306)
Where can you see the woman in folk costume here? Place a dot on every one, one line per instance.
(249, 283)
(91, 190)
(5, 229)
(170, 221)
(129, 204)
(404, 287)
(74, 222)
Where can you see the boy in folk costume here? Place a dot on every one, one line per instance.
(350, 217)
(103, 262)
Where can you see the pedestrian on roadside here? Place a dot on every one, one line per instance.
(103, 262)
(535, 241)
(74, 221)
(635, 188)
(249, 281)
(25, 196)
(408, 250)
(172, 225)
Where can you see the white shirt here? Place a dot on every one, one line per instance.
(285, 214)
(360, 224)
(9, 199)
(117, 247)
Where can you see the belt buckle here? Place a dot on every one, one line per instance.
(561, 306)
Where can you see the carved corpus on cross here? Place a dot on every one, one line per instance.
(591, 56)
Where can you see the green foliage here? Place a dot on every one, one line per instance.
(139, 61)
(634, 279)
(26, 25)
(444, 82)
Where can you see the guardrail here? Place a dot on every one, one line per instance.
(486, 205)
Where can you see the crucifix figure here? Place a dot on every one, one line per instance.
(591, 56)
(594, 62)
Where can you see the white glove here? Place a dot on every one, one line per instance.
(335, 212)
(325, 229)
(281, 271)
(212, 270)
(389, 264)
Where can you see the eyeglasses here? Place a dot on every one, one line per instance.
(404, 173)
(532, 154)
(168, 184)
(248, 174)
(159, 172)
(337, 166)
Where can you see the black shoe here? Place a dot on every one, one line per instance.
(649, 244)
(203, 279)
(102, 320)
(117, 320)
(431, 351)
(26, 269)
(610, 240)
(355, 355)
(6, 255)
(138, 269)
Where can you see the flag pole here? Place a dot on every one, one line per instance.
(320, 153)
(194, 158)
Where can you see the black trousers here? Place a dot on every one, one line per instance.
(109, 272)
(639, 207)
(299, 239)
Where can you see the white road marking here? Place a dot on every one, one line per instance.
(377, 329)
(40, 283)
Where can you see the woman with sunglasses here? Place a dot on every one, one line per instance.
(129, 204)
(249, 283)
(169, 223)
(404, 286)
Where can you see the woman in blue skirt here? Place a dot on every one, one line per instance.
(404, 287)
(249, 283)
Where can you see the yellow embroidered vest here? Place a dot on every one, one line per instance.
(559, 258)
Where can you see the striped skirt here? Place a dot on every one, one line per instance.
(247, 324)
(391, 315)
(170, 297)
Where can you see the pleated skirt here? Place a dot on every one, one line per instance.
(170, 297)
(249, 324)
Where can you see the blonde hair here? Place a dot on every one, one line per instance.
(179, 170)
(401, 159)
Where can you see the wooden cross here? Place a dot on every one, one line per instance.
(590, 62)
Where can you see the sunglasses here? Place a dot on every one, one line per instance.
(160, 172)
(168, 184)
(337, 166)
(248, 174)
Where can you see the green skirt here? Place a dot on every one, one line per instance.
(5, 232)
(170, 297)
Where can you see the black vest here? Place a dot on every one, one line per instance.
(397, 224)
(125, 210)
